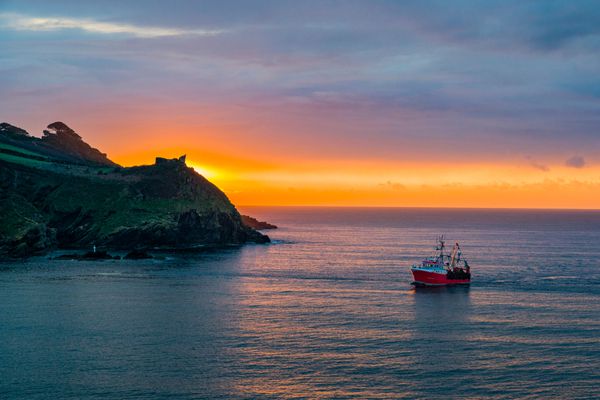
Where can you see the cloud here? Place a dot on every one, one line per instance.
(506, 26)
(575, 162)
(387, 79)
(22, 22)
(392, 185)
(537, 165)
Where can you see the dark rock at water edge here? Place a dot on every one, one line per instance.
(90, 255)
(256, 224)
(137, 255)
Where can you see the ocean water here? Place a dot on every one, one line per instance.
(326, 311)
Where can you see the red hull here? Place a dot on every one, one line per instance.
(433, 279)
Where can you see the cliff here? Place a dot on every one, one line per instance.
(59, 192)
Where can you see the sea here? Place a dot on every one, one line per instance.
(326, 311)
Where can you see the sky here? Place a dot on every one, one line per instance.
(341, 103)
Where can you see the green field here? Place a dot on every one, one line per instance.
(20, 150)
(25, 161)
(47, 163)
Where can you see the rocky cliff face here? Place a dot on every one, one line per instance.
(58, 192)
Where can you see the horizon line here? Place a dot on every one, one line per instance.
(422, 207)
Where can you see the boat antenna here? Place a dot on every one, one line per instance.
(440, 247)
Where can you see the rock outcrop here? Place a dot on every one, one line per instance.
(256, 224)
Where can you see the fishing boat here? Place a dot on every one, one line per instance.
(443, 268)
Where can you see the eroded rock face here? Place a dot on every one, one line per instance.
(37, 240)
(187, 230)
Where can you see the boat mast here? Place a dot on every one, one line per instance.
(441, 249)
(455, 250)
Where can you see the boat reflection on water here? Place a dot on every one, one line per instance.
(441, 338)
(441, 307)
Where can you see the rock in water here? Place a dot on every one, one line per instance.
(88, 256)
(137, 255)
(256, 224)
(48, 202)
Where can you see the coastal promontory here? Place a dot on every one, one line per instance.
(58, 192)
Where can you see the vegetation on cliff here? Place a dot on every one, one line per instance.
(59, 192)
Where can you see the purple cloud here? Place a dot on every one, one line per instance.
(468, 80)
(575, 162)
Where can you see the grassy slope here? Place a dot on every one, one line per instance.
(11, 158)
(17, 216)
(113, 199)
(20, 150)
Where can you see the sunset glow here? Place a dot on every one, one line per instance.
(515, 185)
(391, 108)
